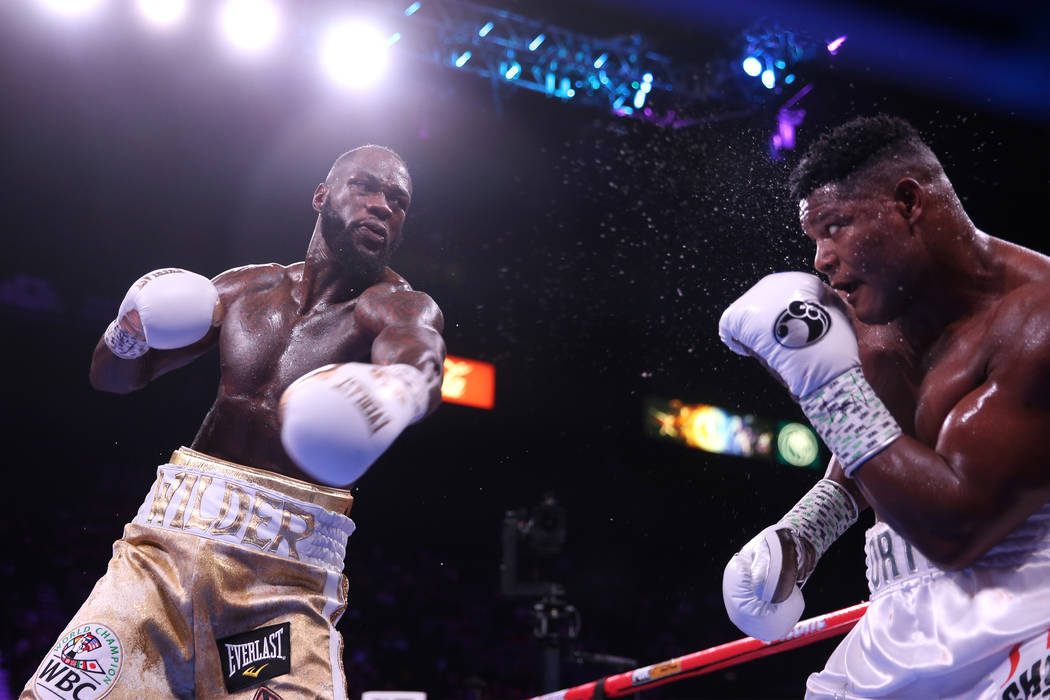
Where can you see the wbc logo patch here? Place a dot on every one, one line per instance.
(84, 664)
(802, 323)
(252, 657)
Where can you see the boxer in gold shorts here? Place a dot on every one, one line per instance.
(228, 582)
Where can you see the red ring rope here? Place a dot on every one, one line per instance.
(698, 663)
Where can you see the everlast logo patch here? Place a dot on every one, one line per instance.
(253, 657)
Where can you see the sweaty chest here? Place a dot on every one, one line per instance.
(958, 370)
(922, 389)
(265, 350)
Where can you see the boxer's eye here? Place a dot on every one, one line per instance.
(832, 229)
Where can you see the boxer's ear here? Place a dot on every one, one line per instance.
(909, 197)
(320, 195)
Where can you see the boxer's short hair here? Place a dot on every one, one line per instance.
(856, 148)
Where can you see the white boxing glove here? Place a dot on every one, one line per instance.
(175, 308)
(792, 322)
(751, 579)
(749, 584)
(337, 420)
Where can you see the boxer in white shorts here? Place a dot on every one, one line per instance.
(924, 364)
(228, 582)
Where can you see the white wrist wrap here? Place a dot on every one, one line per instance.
(850, 418)
(824, 513)
(123, 344)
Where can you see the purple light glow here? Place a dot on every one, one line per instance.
(836, 44)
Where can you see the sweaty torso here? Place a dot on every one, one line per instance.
(267, 340)
(921, 386)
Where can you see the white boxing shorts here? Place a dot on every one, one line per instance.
(948, 635)
(228, 583)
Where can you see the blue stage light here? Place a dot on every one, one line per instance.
(789, 78)
(647, 78)
(411, 9)
(514, 71)
(535, 43)
(484, 31)
(463, 58)
(769, 79)
(752, 66)
(639, 99)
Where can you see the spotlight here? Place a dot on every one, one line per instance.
(752, 66)
(162, 13)
(250, 25)
(71, 8)
(513, 72)
(836, 44)
(484, 31)
(769, 79)
(354, 53)
(463, 58)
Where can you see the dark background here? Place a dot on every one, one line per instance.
(587, 256)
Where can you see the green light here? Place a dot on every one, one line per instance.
(797, 445)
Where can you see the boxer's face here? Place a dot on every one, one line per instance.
(363, 206)
(865, 248)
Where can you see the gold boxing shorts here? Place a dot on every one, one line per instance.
(227, 583)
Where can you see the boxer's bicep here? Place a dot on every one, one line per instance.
(994, 439)
(408, 327)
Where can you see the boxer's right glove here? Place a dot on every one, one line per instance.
(792, 323)
(753, 575)
(337, 420)
(164, 309)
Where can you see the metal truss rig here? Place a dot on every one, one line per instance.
(619, 74)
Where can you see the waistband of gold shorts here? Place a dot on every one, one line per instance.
(334, 500)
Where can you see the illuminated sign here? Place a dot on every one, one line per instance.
(713, 429)
(469, 382)
(797, 444)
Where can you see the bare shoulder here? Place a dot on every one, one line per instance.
(392, 301)
(249, 279)
(1020, 327)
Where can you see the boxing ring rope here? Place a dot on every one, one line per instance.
(698, 663)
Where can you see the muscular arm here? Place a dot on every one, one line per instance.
(408, 327)
(989, 470)
(113, 374)
(121, 376)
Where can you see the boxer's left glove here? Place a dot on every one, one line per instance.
(337, 420)
(749, 586)
(164, 309)
(792, 322)
(762, 584)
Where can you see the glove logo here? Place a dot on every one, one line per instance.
(802, 323)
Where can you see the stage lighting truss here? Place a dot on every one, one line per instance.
(619, 74)
(772, 56)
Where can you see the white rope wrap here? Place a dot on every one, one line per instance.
(123, 344)
(822, 515)
(850, 418)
